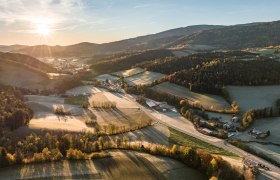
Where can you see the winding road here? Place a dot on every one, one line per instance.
(179, 123)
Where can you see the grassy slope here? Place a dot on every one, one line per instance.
(20, 76)
(78, 100)
(179, 138)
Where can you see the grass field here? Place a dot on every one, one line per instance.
(144, 78)
(206, 100)
(83, 90)
(21, 76)
(179, 138)
(105, 77)
(254, 97)
(126, 114)
(44, 117)
(129, 72)
(75, 100)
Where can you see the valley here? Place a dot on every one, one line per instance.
(197, 102)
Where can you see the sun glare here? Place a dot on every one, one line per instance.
(43, 29)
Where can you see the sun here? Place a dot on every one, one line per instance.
(43, 29)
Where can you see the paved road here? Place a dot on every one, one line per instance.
(176, 121)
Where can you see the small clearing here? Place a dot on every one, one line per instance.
(105, 77)
(206, 100)
(84, 90)
(129, 72)
(144, 78)
(44, 117)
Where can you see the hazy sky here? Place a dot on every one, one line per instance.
(66, 22)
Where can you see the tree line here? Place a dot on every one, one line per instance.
(52, 147)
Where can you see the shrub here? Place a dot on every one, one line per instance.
(60, 110)
(75, 154)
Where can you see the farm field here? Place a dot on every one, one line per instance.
(126, 114)
(44, 118)
(157, 134)
(121, 164)
(254, 97)
(181, 53)
(82, 90)
(206, 100)
(120, 100)
(144, 78)
(129, 72)
(179, 138)
(267, 52)
(9, 75)
(104, 77)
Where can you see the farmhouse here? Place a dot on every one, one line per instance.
(160, 106)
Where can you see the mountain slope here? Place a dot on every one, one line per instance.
(24, 71)
(15, 47)
(27, 61)
(235, 37)
(80, 49)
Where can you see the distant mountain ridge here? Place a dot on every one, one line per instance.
(235, 37)
(214, 37)
(154, 41)
(15, 47)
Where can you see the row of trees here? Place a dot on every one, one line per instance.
(47, 147)
(104, 104)
(251, 115)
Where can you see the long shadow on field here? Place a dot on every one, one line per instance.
(118, 112)
(148, 134)
(146, 164)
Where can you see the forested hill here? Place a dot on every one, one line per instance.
(127, 61)
(235, 37)
(170, 65)
(209, 72)
(212, 76)
(31, 62)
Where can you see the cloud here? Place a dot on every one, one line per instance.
(19, 10)
(142, 6)
(25, 14)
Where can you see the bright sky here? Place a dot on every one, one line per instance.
(66, 22)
